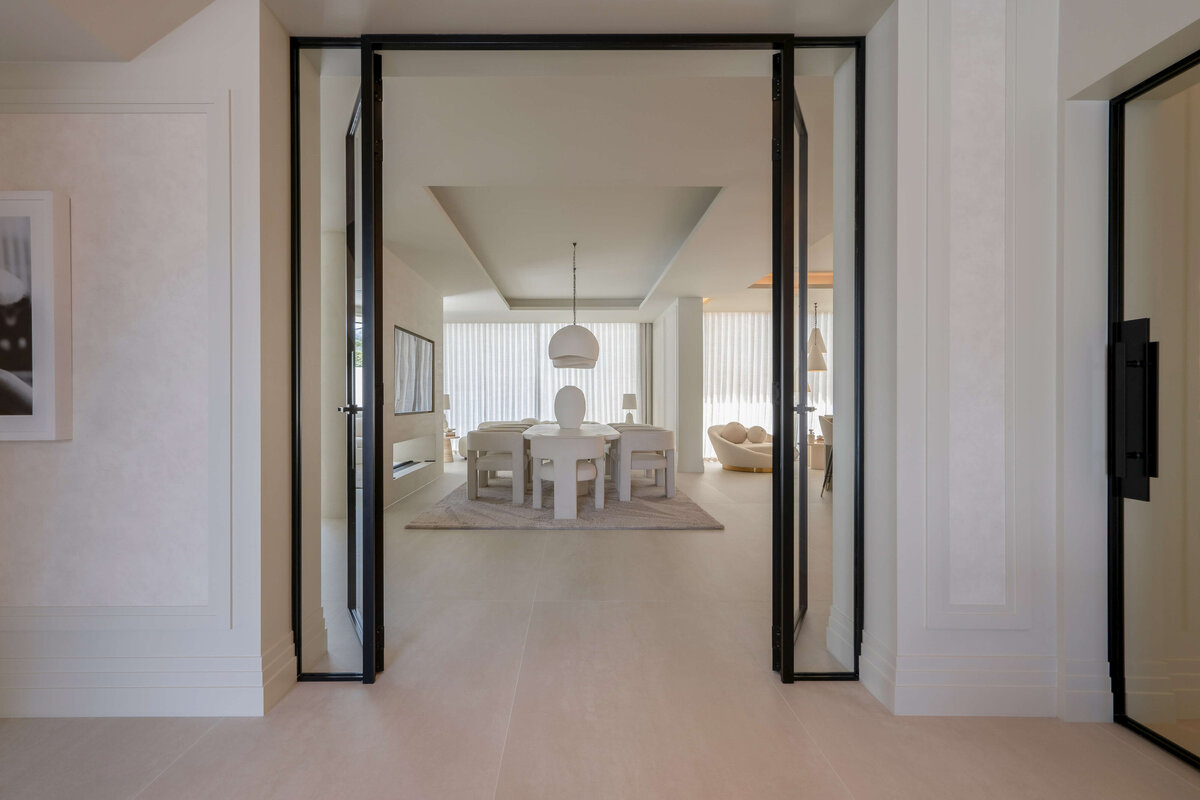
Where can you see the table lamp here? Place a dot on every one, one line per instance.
(628, 404)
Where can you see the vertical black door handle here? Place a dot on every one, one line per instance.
(1151, 435)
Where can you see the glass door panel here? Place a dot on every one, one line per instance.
(816, 592)
(1156, 371)
(329, 524)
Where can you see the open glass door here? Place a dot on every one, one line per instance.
(816, 295)
(331, 376)
(1154, 439)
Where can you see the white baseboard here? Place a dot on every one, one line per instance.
(877, 670)
(1084, 691)
(839, 636)
(1001, 686)
(231, 686)
(315, 634)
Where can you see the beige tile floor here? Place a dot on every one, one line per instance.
(583, 665)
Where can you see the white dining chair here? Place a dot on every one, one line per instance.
(571, 460)
(496, 450)
(646, 449)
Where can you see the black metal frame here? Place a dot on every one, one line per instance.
(1116, 313)
(783, 494)
(370, 46)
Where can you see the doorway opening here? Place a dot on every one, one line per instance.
(817, 573)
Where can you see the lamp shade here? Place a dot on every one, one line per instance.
(816, 361)
(816, 341)
(574, 346)
(445, 401)
(628, 402)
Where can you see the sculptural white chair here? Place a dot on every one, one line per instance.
(495, 450)
(647, 449)
(571, 460)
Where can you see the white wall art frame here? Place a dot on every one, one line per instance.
(35, 316)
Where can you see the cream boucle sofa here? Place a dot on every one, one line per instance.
(737, 449)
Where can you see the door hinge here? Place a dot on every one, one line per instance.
(776, 149)
(776, 89)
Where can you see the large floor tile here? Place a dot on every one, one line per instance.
(646, 700)
(433, 726)
(882, 756)
(44, 759)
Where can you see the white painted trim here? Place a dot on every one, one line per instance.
(1006, 686)
(877, 670)
(839, 636)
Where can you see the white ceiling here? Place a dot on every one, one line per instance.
(352, 17)
(630, 235)
(657, 163)
(87, 30)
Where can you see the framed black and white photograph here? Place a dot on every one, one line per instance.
(414, 373)
(35, 316)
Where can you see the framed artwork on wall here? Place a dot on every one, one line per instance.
(35, 316)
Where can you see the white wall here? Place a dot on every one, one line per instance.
(140, 559)
(878, 660)
(975, 627)
(839, 636)
(678, 367)
(412, 303)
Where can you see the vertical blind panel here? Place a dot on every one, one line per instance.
(502, 371)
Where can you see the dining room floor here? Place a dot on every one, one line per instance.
(583, 664)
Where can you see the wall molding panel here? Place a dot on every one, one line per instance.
(976, 199)
(216, 613)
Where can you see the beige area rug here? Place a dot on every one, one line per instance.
(647, 509)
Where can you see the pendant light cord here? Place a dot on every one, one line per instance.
(574, 315)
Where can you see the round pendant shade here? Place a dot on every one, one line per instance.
(574, 347)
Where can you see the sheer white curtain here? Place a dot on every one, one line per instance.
(501, 371)
(737, 370)
(821, 383)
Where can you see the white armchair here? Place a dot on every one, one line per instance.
(647, 449)
(496, 450)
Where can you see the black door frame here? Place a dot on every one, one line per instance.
(370, 46)
(1116, 314)
(786, 114)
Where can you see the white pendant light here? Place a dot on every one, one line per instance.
(815, 340)
(574, 346)
(816, 347)
(816, 361)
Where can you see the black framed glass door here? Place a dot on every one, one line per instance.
(818, 186)
(1154, 395)
(337, 620)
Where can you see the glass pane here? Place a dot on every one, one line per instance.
(355, 368)
(328, 83)
(1162, 283)
(824, 86)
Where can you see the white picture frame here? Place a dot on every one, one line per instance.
(35, 250)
